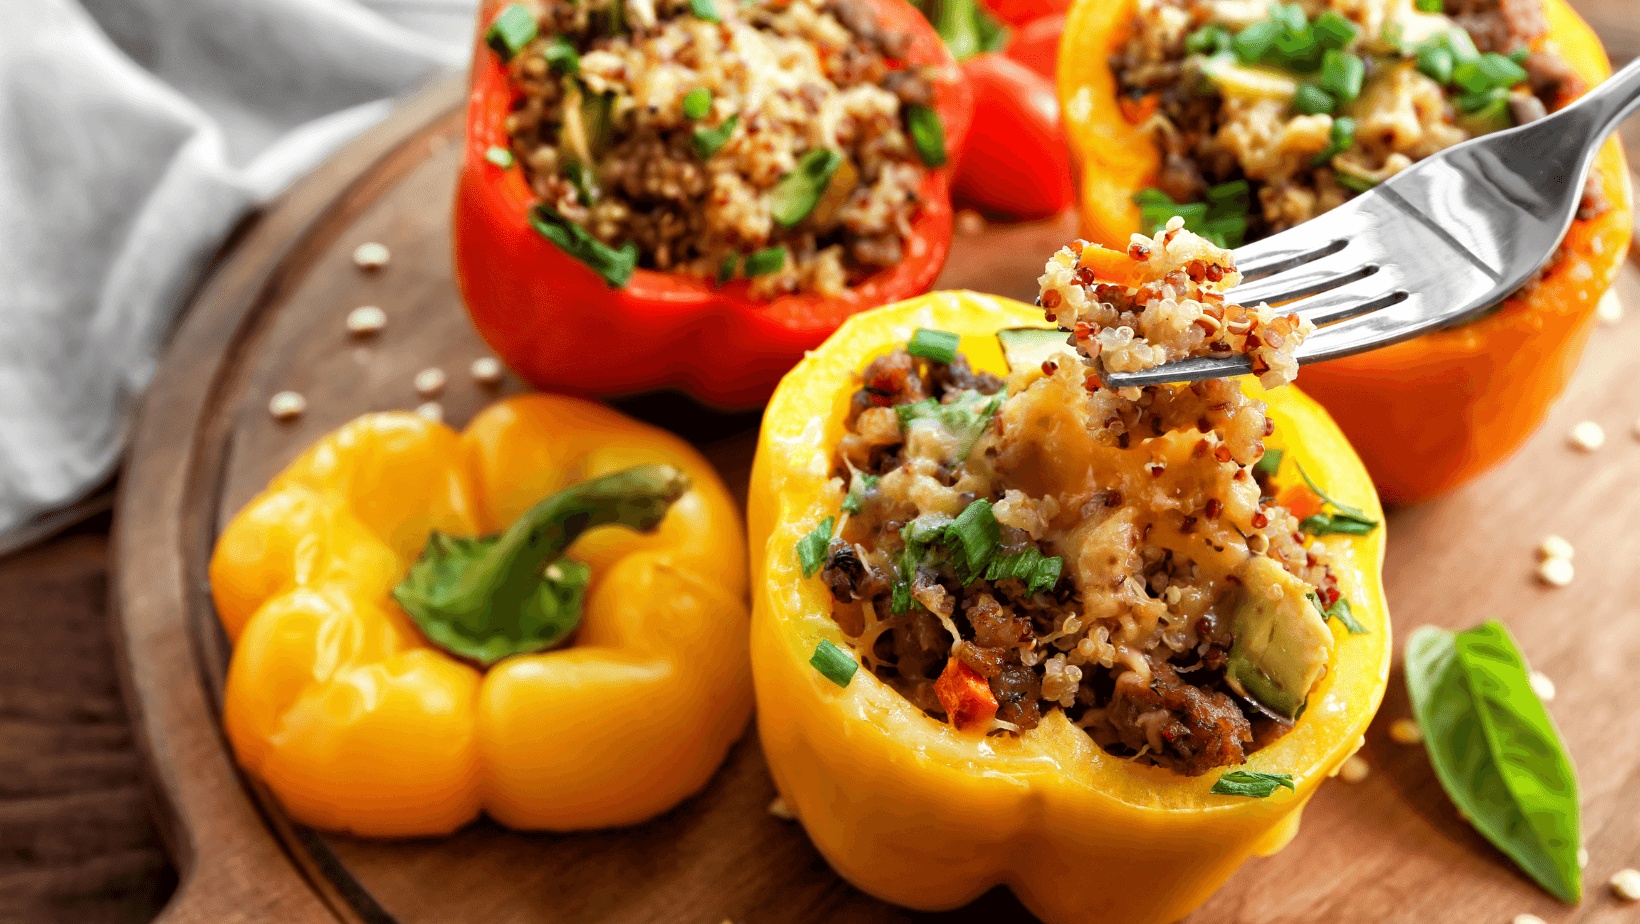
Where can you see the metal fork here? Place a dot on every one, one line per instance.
(1433, 246)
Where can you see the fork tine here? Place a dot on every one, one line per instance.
(1281, 253)
(1343, 265)
(1184, 370)
(1405, 319)
(1340, 304)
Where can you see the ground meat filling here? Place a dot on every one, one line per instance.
(611, 144)
(1216, 125)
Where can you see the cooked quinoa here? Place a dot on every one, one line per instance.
(1162, 301)
(646, 124)
(1304, 105)
(1138, 563)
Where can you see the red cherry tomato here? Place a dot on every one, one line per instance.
(1020, 12)
(1036, 44)
(1015, 162)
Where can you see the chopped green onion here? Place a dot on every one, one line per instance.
(1222, 219)
(966, 418)
(499, 156)
(1430, 6)
(797, 193)
(1340, 610)
(927, 134)
(1232, 198)
(1329, 524)
(580, 176)
(977, 534)
(937, 345)
(855, 500)
(615, 266)
(703, 9)
(1435, 62)
(514, 28)
(1487, 111)
(811, 549)
(1290, 16)
(561, 56)
(765, 261)
(1252, 43)
(1269, 464)
(1036, 571)
(900, 602)
(697, 103)
(1519, 55)
(1341, 139)
(708, 140)
(1351, 181)
(1457, 41)
(1501, 70)
(833, 664)
(1333, 30)
(1251, 783)
(1297, 49)
(1208, 40)
(1227, 232)
(726, 269)
(1311, 100)
(1342, 73)
(1355, 512)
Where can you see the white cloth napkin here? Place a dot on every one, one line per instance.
(134, 134)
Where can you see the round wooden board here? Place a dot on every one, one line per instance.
(270, 318)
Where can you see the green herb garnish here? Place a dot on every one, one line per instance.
(927, 134)
(513, 28)
(697, 103)
(1340, 610)
(797, 193)
(836, 666)
(1429, 6)
(726, 269)
(1312, 100)
(1251, 783)
(1269, 463)
(703, 9)
(1340, 139)
(1435, 62)
(1351, 181)
(561, 56)
(1208, 40)
(811, 549)
(854, 501)
(1489, 71)
(708, 140)
(1354, 512)
(1496, 751)
(1222, 219)
(937, 345)
(1036, 571)
(965, 418)
(1342, 73)
(499, 156)
(765, 261)
(965, 26)
(580, 177)
(1251, 43)
(615, 266)
(1328, 524)
(975, 535)
(1333, 30)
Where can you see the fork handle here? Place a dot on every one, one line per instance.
(1597, 113)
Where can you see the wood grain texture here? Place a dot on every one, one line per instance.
(1388, 849)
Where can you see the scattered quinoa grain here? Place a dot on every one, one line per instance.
(1556, 572)
(366, 320)
(1626, 884)
(371, 256)
(1405, 731)
(1527, 919)
(1542, 685)
(779, 809)
(1354, 770)
(1554, 546)
(430, 382)
(1582, 858)
(287, 405)
(1587, 436)
(432, 411)
(487, 370)
(1609, 310)
(970, 222)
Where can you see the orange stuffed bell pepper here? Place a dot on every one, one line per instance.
(1432, 413)
(927, 793)
(735, 227)
(540, 618)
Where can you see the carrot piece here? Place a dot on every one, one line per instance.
(966, 696)
(1138, 110)
(1300, 501)
(1112, 266)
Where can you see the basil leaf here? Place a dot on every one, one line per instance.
(615, 266)
(811, 549)
(1354, 513)
(1251, 783)
(965, 418)
(1496, 751)
(927, 134)
(855, 500)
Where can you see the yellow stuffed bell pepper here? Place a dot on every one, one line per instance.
(915, 811)
(590, 664)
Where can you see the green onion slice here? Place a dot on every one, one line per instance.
(862, 484)
(1251, 783)
(726, 269)
(927, 134)
(811, 549)
(976, 533)
(561, 56)
(615, 266)
(937, 345)
(765, 261)
(1333, 30)
(580, 176)
(1269, 463)
(797, 193)
(1342, 138)
(514, 28)
(1038, 572)
(1430, 6)
(1342, 74)
(703, 9)
(831, 662)
(697, 103)
(1351, 181)
(1435, 62)
(1253, 42)
(708, 140)
(499, 156)
(1312, 100)
(1208, 40)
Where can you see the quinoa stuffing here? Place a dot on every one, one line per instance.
(1009, 547)
(776, 140)
(1268, 114)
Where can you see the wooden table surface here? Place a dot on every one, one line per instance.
(76, 841)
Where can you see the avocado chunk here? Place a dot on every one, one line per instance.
(1282, 643)
(1029, 347)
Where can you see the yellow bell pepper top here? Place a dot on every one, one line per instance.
(921, 814)
(356, 722)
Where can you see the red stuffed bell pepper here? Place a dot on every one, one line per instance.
(565, 326)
